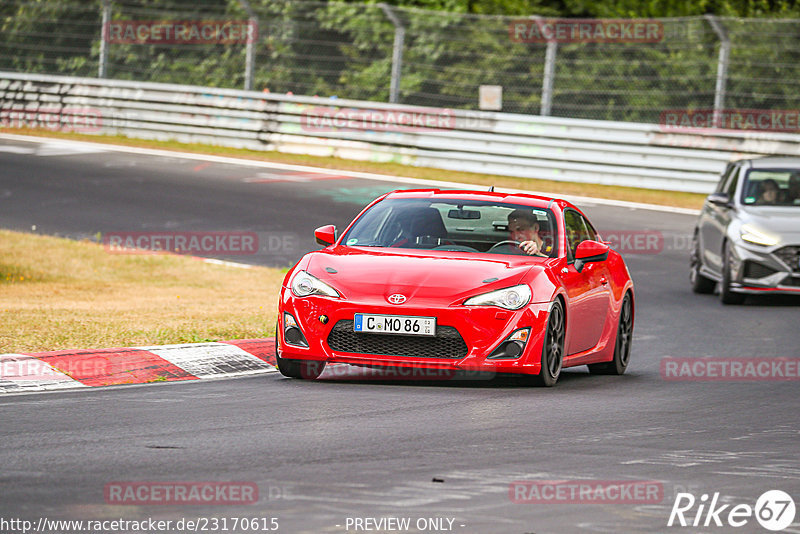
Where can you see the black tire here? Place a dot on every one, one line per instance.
(552, 347)
(309, 370)
(726, 295)
(700, 284)
(622, 344)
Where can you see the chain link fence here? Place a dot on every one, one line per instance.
(411, 56)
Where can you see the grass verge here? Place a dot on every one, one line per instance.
(62, 294)
(632, 194)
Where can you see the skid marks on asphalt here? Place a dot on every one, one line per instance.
(291, 176)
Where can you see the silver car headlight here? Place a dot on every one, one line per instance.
(304, 284)
(510, 298)
(757, 236)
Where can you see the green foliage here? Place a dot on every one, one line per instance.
(451, 47)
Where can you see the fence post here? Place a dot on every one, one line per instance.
(722, 68)
(397, 52)
(250, 55)
(549, 71)
(549, 77)
(102, 68)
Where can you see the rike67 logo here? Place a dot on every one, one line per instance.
(774, 510)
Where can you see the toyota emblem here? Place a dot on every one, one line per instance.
(397, 298)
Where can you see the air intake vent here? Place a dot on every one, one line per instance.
(447, 343)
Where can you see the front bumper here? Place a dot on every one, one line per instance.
(756, 269)
(482, 328)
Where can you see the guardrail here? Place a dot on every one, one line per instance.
(528, 146)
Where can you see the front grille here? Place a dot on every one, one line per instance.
(447, 343)
(790, 256)
(756, 270)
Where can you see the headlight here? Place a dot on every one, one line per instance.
(510, 298)
(303, 285)
(754, 235)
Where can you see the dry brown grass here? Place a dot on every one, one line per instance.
(632, 194)
(62, 294)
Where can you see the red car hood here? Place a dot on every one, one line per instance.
(372, 275)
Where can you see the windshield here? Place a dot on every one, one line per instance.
(456, 225)
(773, 187)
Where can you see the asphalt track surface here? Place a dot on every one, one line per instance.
(342, 447)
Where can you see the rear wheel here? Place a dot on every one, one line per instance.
(726, 295)
(552, 348)
(700, 284)
(297, 368)
(622, 346)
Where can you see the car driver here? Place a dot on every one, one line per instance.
(524, 228)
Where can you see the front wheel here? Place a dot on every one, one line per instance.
(552, 348)
(726, 294)
(622, 346)
(700, 284)
(297, 368)
(308, 369)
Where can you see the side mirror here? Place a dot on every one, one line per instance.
(588, 252)
(325, 235)
(720, 199)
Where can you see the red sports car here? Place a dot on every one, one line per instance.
(459, 280)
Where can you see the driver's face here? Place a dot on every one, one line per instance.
(770, 194)
(522, 230)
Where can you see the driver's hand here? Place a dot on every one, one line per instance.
(529, 247)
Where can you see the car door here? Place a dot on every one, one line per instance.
(588, 290)
(715, 218)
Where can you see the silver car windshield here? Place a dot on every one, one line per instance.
(455, 225)
(772, 187)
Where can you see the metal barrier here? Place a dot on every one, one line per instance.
(528, 146)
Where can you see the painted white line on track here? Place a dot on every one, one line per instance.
(62, 148)
(352, 174)
(11, 149)
(21, 373)
(211, 360)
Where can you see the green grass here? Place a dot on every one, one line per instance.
(61, 294)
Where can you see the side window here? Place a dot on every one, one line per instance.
(723, 181)
(730, 187)
(591, 233)
(576, 231)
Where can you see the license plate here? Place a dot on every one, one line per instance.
(394, 324)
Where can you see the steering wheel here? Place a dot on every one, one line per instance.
(506, 242)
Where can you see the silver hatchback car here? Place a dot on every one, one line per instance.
(747, 237)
